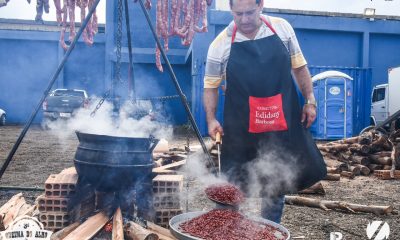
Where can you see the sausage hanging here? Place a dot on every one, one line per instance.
(68, 10)
(183, 21)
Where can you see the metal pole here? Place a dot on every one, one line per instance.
(131, 77)
(178, 88)
(46, 92)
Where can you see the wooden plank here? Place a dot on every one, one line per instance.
(89, 228)
(172, 166)
(118, 226)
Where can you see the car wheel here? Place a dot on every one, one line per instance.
(3, 120)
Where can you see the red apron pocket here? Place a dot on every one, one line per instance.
(266, 114)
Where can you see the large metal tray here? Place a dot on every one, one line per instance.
(178, 219)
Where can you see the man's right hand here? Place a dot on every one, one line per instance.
(213, 127)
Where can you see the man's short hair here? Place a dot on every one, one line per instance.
(231, 2)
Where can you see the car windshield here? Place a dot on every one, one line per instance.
(71, 93)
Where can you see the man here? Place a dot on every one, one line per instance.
(256, 54)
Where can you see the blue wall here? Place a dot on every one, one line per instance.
(29, 58)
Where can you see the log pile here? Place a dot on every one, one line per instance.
(370, 153)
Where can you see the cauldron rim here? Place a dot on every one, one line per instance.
(104, 136)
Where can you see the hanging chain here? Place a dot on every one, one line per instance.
(105, 96)
(119, 44)
(117, 78)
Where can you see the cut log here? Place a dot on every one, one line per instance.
(374, 167)
(338, 205)
(365, 171)
(380, 160)
(159, 230)
(332, 177)
(15, 207)
(358, 148)
(347, 174)
(348, 140)
(382, 154)
(64, 232)
(387, 167)
(314, 189)
(333, 170)
(380, 144)
(360, 160)
(89, 228)
(366, 138)
(355, 170)
(334, 147)
(335, 164)
(118, 226)
(134, 231)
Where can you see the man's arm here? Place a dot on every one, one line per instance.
(303, 79)
(210, 99)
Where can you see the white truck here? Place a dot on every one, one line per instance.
(386, 100)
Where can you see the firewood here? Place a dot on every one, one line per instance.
(380, 160)
(314, 189)
(338, 205)
(335, 164)
(333, 170)
(358, 148)
(174, 166)
(332, 177)
(366, 138)
(355, 170)
(89, 228)
(374, 167)
(365, 171)
(11, 210)
(360, 160)
(64, 232)
(134, 231)
(381, 143)
(382, 154)
(333, 147)
(347, 174)
(118, 226)
(349, 140)
(159, 230)
(387, 167)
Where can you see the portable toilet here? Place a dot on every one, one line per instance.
(333, 92)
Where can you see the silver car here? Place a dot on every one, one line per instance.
(2, 117)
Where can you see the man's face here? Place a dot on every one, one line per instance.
(246, 14)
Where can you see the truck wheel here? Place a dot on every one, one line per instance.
(3, 120)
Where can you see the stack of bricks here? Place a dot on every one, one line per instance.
(53, 205)
(166, 197)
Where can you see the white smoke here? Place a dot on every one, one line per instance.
(104, 123)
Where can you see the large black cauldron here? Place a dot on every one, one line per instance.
(111, 163)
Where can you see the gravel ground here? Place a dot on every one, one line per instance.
(41, 153)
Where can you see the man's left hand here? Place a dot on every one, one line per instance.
(309, 114)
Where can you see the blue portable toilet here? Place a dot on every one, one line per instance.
(333, 92)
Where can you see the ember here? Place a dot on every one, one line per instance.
(228, 224)
(225, 193)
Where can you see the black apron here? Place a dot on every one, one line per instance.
(263, 114)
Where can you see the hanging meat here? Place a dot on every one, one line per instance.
(186, 18)
(68, 11)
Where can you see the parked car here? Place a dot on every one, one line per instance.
(2, 117)
(63, 103)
